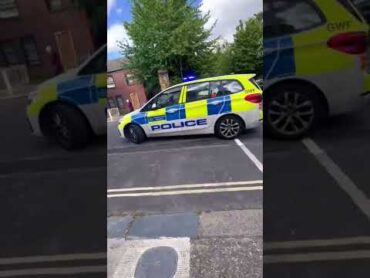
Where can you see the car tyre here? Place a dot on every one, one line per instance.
(229, 127)
(135, 134)
(291, 111)
(67, 126)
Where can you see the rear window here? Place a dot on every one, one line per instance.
(225, 87)
(350, 8)
(255, 83)
(363, 7)
(285, 17)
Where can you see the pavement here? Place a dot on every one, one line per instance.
(52, 202)
(185, 206)
(316, 201)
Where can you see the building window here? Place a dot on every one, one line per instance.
(110, 82)
(30, 51)
(12, 52)
(55, 5)
(111, 103)
(119, 102)
(8, 9)
(130, 79)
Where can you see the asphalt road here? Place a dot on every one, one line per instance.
(52, 201)
(178, 161)
(194, 195)
(316, 199)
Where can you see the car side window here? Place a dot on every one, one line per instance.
(285, 17)
(225, 87)
(96, 65)
(163, 100)
(197, 91)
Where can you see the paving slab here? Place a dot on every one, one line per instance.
(170, 225)
(118, 226)
(231, 223)
(226, 257)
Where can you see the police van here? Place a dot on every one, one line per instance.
(314, 63)
(71, 107)
(224, 105)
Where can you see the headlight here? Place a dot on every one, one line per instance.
(31, 96)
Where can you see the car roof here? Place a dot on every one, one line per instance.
(216, 78)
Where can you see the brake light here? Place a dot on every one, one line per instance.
(350, 43)
(254, 98)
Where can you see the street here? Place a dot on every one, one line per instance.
(198, 198)
(52, 202)
(316, 203)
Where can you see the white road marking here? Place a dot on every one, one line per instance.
(187, 191)
(167, 150)
(52, 258)
(315, 243)
(182, 186)
(316, 256)
(54, 271)
(342, 179)
(251, 156)
(131, 251)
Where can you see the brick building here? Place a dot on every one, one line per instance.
(28, 27)
(122, 86)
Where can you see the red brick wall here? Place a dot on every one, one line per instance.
(124, 90)
(43, 30)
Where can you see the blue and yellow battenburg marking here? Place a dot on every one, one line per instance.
(210, 107)
(82, 90)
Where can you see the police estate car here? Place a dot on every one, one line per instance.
(71, 107)
(223, 105)
(314, 63)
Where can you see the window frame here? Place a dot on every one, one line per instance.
(89, 62)
(150, 102)
(113, 82)
(220, 80)
(13, 17)
(313, 5)
(22, 45)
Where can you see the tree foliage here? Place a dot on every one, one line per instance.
(247, 49)
(167, 34)
(245, 54)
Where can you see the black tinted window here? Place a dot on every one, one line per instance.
(284, 17)
(197, 91)
(225, 87)
(97, 65)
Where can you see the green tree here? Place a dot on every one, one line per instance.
(247, 49)
(167, 34)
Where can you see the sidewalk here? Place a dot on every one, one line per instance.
(206, 244)
(21, 91)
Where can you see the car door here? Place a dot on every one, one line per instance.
(198, 104)
(88, 90)
(164, 112)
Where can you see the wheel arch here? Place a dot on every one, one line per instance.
(45, 109)
(302, 82)
(228, 114)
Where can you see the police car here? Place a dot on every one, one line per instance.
(314, 63)
(71, 107)
(223, 105)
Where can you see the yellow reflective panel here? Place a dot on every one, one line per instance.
(196, 109)
(125, 120)
(239, 104)
(101, 80)
(158, 112)
(45, 95)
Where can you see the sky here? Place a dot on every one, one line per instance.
(226, 14)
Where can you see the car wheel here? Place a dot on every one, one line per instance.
(291, 111)
(67, 126)
(229, 127)
(135, 134)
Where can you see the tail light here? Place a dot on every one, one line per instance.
(350, 43)
(254, 98)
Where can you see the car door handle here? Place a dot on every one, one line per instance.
(215, 102)
(172, 110)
